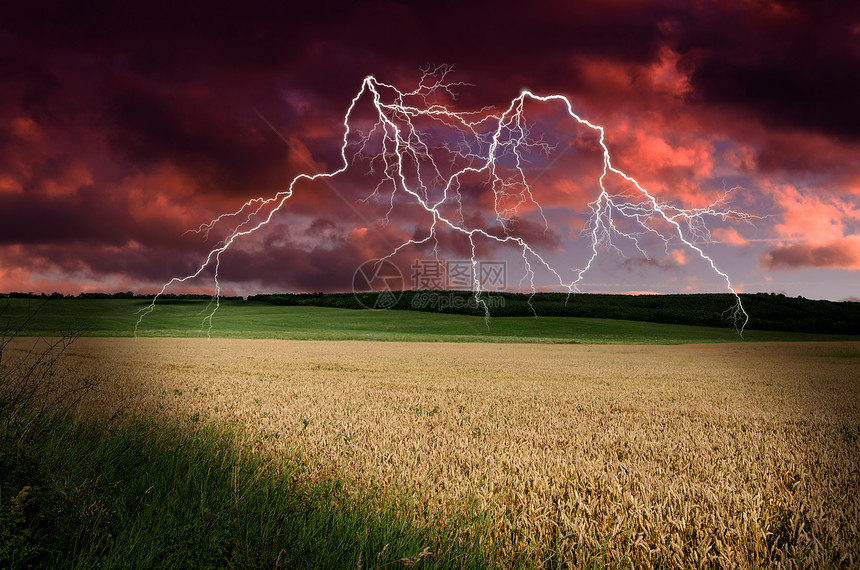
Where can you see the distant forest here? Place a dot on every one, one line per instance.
(767, 311)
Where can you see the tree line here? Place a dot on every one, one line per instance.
(767, 311)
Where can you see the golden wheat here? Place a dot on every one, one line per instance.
(729, 455)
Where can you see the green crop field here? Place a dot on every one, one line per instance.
(250, 319)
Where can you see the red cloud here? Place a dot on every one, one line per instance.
(729, 236)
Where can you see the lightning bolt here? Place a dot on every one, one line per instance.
(398, 146)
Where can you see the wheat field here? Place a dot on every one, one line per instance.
(721, 455)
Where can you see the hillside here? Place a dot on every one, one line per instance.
(767, 311)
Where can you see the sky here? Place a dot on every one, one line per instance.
(124, 126)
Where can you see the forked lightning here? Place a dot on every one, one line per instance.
(404, 143)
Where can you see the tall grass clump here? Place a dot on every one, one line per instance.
(94, 492)
(34, 393)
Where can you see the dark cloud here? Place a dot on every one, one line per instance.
(85, 216)
(328, 46)
(320, 227)
(534, 232)
(30, 85)
(286, 267)
(637, 264)
(195, 129)
(796, 65)
(148, 266)
(837, 254)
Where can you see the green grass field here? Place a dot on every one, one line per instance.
(162, 496)
(248, 319)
